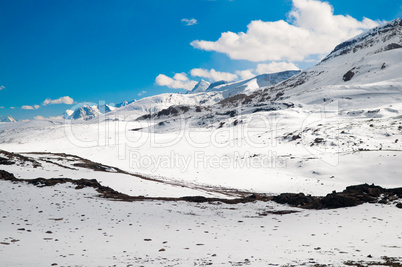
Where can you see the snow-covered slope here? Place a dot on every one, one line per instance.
(84, 112)
(122, 104)
(67, 114)
(105, 108)
(201, 86)
(370, 63)
(158, 102)
(362, 72)
(250, 85)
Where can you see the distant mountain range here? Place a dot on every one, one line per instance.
(204, 93)
(372, 57)
(7, 119)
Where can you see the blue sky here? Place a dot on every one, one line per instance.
(115, 50)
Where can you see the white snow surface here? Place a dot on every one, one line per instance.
(68, 227)
(201, 86)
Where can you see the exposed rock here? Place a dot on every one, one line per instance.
(6, 175)
(348, 75)
(230, 113)
(197, 199)
(392, 46)
(173, 110)
(351, 196)
(296, 200)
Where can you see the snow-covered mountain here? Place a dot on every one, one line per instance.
(215, 84)
(85, 112)
(105, 108)
(123, 104)
(67, 114)
(250, 85)
(157, 103)
(7, 119)
(204, 93)
(88, 112)
(368, 64)
(365, 70)
(201, 86)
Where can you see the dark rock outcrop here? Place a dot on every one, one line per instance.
(348, 76)
(351, 196)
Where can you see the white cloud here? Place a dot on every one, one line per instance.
(1, 107)
(30, 107)
(41, 118)
(179, 81)
(245, 74)
(275, 67)
(2, 87)
(12, 107)
(214, 75)
(313, 29)
(62, 100)
(141, 93)
(189, 22)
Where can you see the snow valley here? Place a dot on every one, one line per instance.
(285, 169)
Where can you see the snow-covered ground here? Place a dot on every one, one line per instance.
(60, 225)
(292, 150)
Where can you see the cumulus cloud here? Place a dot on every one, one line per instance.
(41, 118)
(2, 87)
(179, 81)
(313, 29)
(189, 22)
(141, 93)
(1, 107)
(272, 67)
(30, 107)
(245, 74)
(62, 100)
(213, 75)
(12, 107)
(275, 67)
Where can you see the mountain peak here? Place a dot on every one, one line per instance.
(85, 112)
(201, 86)
(384, 37)
(215, 84)
(7, 119)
